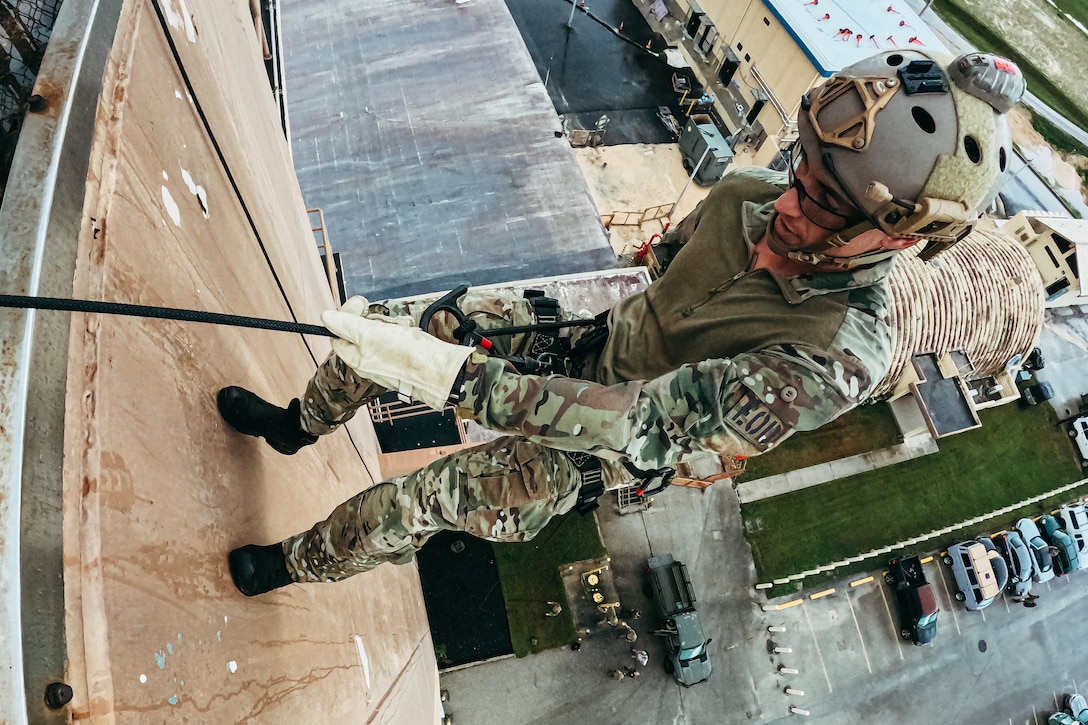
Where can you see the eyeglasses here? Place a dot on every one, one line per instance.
(817, 212)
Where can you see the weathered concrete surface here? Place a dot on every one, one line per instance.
(190, 201)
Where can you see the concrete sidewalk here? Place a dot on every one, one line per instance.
(701, 528)
(913, 447)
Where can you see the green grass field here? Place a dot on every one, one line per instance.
(864, 429)
(1016, 454)
(1051, 54)
(529, 574)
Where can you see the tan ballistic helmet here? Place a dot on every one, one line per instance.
(917, 139)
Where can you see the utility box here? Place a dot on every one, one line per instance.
(702, 145)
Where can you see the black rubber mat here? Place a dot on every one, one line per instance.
(464, 599)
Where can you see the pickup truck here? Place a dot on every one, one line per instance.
(674, 602)
(917, 602)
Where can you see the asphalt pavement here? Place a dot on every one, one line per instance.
(592, 67)
(837, 650)
(1064, 343)
(560, 686)
(588, 65)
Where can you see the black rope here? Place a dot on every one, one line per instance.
(162, 313)
(198, 106)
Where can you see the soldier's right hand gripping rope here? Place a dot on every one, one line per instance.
(548, 352)
(414, 363)
(397, 357)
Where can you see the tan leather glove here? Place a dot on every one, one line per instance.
(398, 357)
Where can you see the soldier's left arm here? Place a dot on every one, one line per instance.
(744, 405)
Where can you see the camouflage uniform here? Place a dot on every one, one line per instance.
(335, 392)
(712, 358)
(505, 490)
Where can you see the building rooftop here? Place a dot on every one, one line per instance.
(430, 142)
(820, 29)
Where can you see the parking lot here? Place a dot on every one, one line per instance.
(1007, 663)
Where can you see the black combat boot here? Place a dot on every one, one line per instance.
(259, 569)
(248, 414)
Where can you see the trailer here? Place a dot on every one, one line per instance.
(705, 152)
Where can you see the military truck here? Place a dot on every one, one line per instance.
(674, 602)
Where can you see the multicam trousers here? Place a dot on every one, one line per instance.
(505, 490)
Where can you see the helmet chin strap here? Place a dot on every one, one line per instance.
(857, 260)
(840, 239)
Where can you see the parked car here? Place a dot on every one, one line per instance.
(917, 602)
(1043, 569)
(1037, 393)
(978, 570)
(1063, 550)
(1077, 706)
(1015, 552)
(1074, 518)
(1078, 431)
(1074, 712)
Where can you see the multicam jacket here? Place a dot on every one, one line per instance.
(713, 356)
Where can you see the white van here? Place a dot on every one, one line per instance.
(1078, 431)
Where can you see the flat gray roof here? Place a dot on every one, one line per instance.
(426, 136)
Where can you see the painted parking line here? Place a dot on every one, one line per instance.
(892, 624)
(861, 639)
(948, 597)
(819, 654)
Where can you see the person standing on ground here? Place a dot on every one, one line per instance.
(771, 317)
